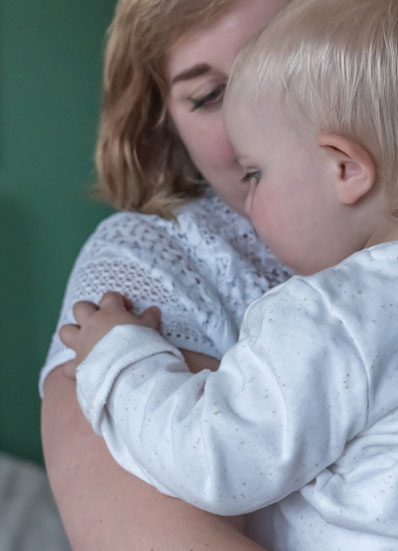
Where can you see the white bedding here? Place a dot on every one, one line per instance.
(28, 516)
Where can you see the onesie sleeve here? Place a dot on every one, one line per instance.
(281, 408)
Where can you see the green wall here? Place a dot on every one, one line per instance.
(50, 73)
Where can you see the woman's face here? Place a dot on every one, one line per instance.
(198, 66)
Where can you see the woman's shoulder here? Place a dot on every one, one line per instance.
(206, 217)
(123, 223)
(123, 232)
(205, 232)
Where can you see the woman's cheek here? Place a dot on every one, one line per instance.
(208, 143)
(220, 148)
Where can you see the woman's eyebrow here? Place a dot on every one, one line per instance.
(192, 72)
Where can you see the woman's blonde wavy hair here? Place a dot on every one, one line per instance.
(141, 162)
(334, 66)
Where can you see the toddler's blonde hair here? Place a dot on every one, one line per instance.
(334, 65)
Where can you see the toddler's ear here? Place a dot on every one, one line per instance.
(355, 168)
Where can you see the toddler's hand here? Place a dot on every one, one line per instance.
(94, 322)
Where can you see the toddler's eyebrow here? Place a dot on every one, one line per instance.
(192, 72)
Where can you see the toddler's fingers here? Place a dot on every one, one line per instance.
(112, 300)
(69, 369)
(151, 316)
(83, 310)
(128, 304)
(68, 334)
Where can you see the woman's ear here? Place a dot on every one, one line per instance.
(355, 169)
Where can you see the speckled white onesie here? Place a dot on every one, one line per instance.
(300, 419)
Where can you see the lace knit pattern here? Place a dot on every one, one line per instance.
(202, 272)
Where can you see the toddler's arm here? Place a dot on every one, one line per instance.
(94, 322)
(276, 413)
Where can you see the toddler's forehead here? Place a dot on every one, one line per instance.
(235, 111)
(246, 102)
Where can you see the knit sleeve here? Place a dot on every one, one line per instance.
(133, 256)
(202, 271)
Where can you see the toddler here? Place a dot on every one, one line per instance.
(301, 418)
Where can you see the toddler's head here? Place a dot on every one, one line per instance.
(312, 111)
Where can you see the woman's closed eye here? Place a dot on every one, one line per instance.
(251, 176)
(211, 100)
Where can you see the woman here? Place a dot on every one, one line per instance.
(161, 137)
